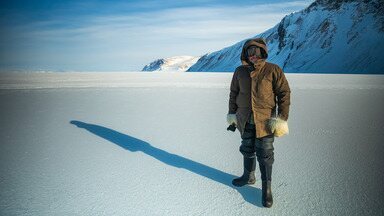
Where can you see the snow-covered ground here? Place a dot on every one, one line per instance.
(156, 144)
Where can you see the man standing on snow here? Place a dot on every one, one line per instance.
(257, 89)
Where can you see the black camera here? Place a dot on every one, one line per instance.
(231, 127)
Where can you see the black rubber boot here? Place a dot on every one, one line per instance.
(248, 176)
(265, 157)
(267, 198)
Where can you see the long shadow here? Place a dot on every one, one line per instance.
(250, 194)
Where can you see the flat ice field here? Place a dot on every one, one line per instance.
(156, 144)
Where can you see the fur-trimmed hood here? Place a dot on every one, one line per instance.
(259, 42)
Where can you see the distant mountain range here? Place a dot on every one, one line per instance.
(176, 63)
(340, 36)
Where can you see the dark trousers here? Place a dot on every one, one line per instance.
(262, 148)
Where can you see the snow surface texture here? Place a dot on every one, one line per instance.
(327, 37)
(176, 63)
(122, 144)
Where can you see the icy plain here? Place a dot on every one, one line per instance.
(156, 144)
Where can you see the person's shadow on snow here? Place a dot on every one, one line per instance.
(250, 194)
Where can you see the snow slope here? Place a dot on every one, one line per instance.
(176, 63)
(343, 36)
(121, 144)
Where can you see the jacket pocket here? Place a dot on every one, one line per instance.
(243, 100)
(265, 89)
(265, 93)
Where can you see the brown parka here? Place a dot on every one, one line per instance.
(260, 94)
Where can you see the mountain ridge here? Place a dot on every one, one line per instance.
(343, 36)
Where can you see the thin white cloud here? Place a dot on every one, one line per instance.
(176, 31)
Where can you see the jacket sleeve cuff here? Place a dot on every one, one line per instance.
(278, 126)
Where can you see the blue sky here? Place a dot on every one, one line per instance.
(115, 35)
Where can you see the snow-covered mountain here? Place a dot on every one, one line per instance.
(176, 63)
(342, 36)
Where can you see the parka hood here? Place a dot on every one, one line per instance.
(260, 42)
